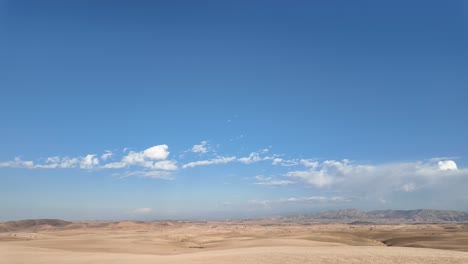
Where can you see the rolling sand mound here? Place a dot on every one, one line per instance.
(280, 255)
(233, 242)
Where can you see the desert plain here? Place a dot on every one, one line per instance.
(237, 241)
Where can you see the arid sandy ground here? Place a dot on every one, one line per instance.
(234, 242)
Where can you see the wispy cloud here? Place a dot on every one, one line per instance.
(200, 148)
(307, 199)
(275, 183)
(106, 155)
(217, 160)
(141, 211)
(285, 162)
(152, 174)
(17, 163)
(269, 181)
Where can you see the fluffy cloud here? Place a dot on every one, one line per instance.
(424, 183)
(345, 173)
(153, 158)
(447, 165)
(309, 163)
(217, 160)
(158, 152)
(89, 162)
(315, 178)
(200, 148)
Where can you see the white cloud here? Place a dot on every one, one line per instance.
(307, 199)
(69, 162)
(386, 181)
(329, 172)
(408, 187)
(115, 165)
(316, 178)
(151, 174)
(152, 158)
(252, 158)
(275, 183)
(200, 148)
(262, 178)
(277, 161)
(89, 162)
(158, 152)
(51, 163)
(310, 163)
(217, 160)
(282, 162)
(145, 158)
(317, 199)
(60, 162)
(106, 155)
(256, 157)
(17, 163)
(142, 211)
(169, 165)
(447, 165)
(268, 181)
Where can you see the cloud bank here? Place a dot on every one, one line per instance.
(151, 163)
(439, 180)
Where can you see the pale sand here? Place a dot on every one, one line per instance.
(217, 242)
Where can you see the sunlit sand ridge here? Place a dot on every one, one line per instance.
(233, 242)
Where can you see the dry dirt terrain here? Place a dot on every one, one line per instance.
(230, 242)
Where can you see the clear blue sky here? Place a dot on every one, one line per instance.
(251, 107)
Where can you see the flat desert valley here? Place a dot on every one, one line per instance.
(238, 241)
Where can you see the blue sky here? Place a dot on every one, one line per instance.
(221, 109)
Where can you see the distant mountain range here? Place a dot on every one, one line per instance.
(348, 216)
(382, 216)
(31, 223)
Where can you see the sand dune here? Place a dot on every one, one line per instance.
(233, 242)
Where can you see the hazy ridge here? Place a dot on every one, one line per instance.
(383, 216)
(352, 216)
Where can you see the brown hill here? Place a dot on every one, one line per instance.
(31, 224)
